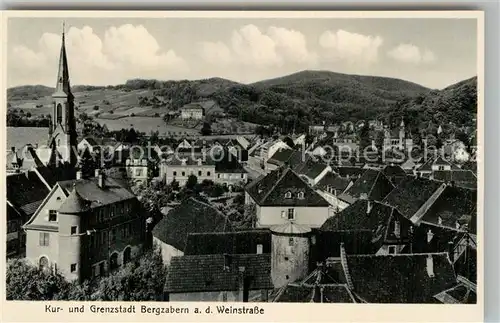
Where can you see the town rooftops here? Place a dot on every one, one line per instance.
(237, 242)
(281, 156)
(191, 216)
(228, 163)
(332, 293)
(463, 293)
(437, 161)
(211, 273)
(411, 193)
(464, 178)
(26, 191)
(371, 185)
(290, 229)
(349, 171)
(88, 189)
(74, 203)
(402, 278)
(284, 187)
(333, 181)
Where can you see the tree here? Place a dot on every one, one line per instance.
(175, 185)
(27, 282)
(206, 130)
(191, 182)
(364, 136)
(87, 163)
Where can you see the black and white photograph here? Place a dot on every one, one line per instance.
(243, 159)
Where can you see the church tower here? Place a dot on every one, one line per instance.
(62, 130)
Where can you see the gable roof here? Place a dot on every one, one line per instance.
(372, 183)
(238, 242)
(438, 161)
(271, 190)
(411, 194)
(26, 191)
(393, 171)
(281, 156)
(206, 273)
(400, 278)
(191, 216)
(333, 181)
(89, 190)
(451, 206)
(228, 163)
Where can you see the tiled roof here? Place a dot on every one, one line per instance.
(74, 203)
(281, 156)
(393, 171)
(400, 278)
(12, 213)
(372, 183)
(89, 190)
(191, 216)
(466, 264)
(143, 153)
(271, 190)
(334, 293)
(411, 194)
(189, 160)
(206, 273)
(228, 163)
(238, 242)
(310, 167)
(348, 171)
(462, 293)
(53, 175)
(452, 205)
(457, 176)
(427, 166)
(333, 181)
(26, 190)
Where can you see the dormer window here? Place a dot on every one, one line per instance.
(288, 195)
(300, 195)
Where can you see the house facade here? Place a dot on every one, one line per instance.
(192, 111)
(85, 228)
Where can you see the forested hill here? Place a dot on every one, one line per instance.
(456, 103)
(298, 100)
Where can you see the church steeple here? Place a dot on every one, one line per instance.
(63, 84)
(62, 132)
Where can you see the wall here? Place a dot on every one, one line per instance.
(311, 216)
(289, 263)
(69, 246)
(167, 251)
(230, 178)
(167, 172)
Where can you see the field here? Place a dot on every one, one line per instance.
(146, 124)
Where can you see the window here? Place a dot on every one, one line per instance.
(101, 268)
(113, 235)
(392, 250)
(208, 173)
(73, 268)
(114, 261)
(183, 173)
(43, 263)
(288, 195)
(291, 214)
(290, 241)
(199, 173)
(74, 230)
(300, 195)
(138, 172)
(44, 239)
(52, 215)
(218, 175)
(242, 175)
(127, 255)
(175, 173)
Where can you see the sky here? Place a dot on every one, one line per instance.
(433, 52)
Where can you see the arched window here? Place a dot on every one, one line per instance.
(59, 113)
(113, 261)
(127, 255)
(43, 263)
(288, 195)
(300, 195)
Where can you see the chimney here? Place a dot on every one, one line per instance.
(78, 174)
(430, 235)
(430, 266)
(451, 252)
(397, 229)
(369, 206)
(242, 288)
(101, 181)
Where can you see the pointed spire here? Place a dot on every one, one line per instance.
(63, 85)
(74, 203)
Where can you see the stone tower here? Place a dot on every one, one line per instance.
(62, 130)
(290, 247)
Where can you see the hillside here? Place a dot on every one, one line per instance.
(456, 104)
(290, 102)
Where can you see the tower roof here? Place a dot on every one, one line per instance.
(63, 86)
(74, 204)
(290, 228)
